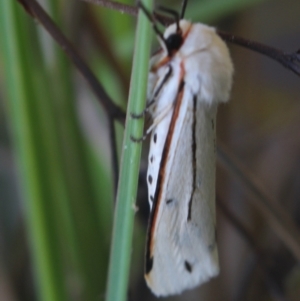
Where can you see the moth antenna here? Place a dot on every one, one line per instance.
(183, 7)
(173, 13)
(161, 19)
(152, 20)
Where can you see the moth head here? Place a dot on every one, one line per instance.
(174, 36)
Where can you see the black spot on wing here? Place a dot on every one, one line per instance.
(151, 159)
(169, 201)
(151, 198)
(150, 179)
(155, 138)
(188, 266)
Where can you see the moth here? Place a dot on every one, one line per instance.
(188, 78)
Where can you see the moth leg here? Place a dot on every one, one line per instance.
(156, 93)
(156, 121)
(138, 140)
(143, 113)
(160, 117)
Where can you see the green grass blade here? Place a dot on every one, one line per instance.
(88, 249)
(127, 189)
(30, 149)
(69, 217)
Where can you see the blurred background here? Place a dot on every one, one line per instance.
(56, 180)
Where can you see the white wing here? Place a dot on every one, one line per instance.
(181, 248)
(166, 97)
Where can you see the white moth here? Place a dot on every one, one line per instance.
(188, 78)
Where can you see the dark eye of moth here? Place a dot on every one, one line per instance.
(174, 41)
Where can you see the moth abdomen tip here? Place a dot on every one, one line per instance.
(149, 265)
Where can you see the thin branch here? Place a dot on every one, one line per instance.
(290, 61)
(36, 10)
(26, 7)
(280, 222)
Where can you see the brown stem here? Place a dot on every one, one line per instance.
(290, 61)
(37, 11)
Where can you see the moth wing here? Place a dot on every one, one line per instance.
(183, 251)
(154, 77)
(165, 103)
